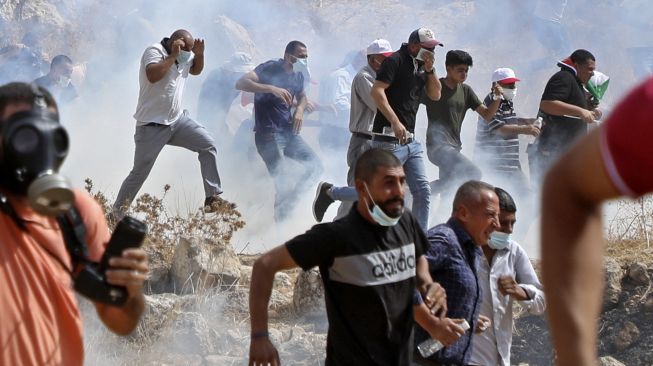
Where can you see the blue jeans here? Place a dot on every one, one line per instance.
(273, 147)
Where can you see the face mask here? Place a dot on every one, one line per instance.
(379, 216)
(184, 57)
(499, 240)
(301, 65)
(63, 81)
(509, 94)
(33, 146)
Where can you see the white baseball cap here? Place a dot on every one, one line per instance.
(239, 62)
(504, 75)
(379, 47)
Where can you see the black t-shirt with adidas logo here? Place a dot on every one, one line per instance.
(368, 272)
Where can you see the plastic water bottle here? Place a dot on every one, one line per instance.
(538, 124)
(430, 346)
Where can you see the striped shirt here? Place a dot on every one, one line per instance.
(496, 152)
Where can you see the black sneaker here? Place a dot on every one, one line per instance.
(215, 202)
(322, 201)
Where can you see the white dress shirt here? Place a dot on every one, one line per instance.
(492, 347)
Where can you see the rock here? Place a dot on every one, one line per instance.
(158, 280)
(609, 361)
(648, 304)
(232, 37)
(637, 272)
(199, 264)
(160, 312)
(626, 336)
(308, 295)
(613, 277)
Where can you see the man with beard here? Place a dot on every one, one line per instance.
(403, 78)
(57, 81)
(453, 253)
(374, 273)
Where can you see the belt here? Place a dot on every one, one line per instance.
(362, 135)
(391, 139)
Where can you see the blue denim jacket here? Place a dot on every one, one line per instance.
(453, 260)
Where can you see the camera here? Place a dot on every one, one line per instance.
(90, 281)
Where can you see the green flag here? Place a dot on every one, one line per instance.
(598, 84)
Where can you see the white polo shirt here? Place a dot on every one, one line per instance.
(160, 102)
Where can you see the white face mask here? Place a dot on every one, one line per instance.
(422, 52)
(509, 94)
(379, 216)
(184, 57)
(63, 81)
(499, 240)
(301, 65)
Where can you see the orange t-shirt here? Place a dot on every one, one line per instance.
(40, 323)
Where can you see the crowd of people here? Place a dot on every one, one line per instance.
(392, 280)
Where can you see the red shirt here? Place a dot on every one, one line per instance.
(627, 142)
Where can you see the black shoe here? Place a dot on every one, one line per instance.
(215, 203)
(321, 201)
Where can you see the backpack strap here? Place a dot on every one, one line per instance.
(74, 235)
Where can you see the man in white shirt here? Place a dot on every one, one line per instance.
(160, 120)
(505, 275)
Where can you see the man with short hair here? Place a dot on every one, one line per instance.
(445, 119)
(218, 93)
(611, 161)
(373, 269)
(57, 80)
(403, 78)
(361, 119)
(160, 120)
(453, 253)
(564, 108)
(41, 321)
(505, 275)
(276, 83)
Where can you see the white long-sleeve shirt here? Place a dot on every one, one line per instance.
(492, 347)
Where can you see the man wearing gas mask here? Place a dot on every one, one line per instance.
(58, 80)
(161, 121)
(41, 322)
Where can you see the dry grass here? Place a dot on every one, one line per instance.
(165, 228)
(628, 235)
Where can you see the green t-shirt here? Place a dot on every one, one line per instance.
(447, 114)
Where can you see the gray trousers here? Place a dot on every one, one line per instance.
(151, 138)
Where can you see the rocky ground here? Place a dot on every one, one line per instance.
(197, 315)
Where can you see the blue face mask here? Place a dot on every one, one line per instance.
(184, 57)
(499, 240)
(379, 216)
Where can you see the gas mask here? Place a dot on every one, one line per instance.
(33, 145)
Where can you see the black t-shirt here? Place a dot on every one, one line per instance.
(368, 272)
(558, 132)
(406, 85)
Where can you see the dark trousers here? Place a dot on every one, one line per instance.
(274, 147)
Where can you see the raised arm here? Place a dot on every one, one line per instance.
(198, 61)
(572, 249)
(157, 70)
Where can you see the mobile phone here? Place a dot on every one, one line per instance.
(129, 233)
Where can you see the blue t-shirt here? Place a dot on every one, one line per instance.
(271, 114)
